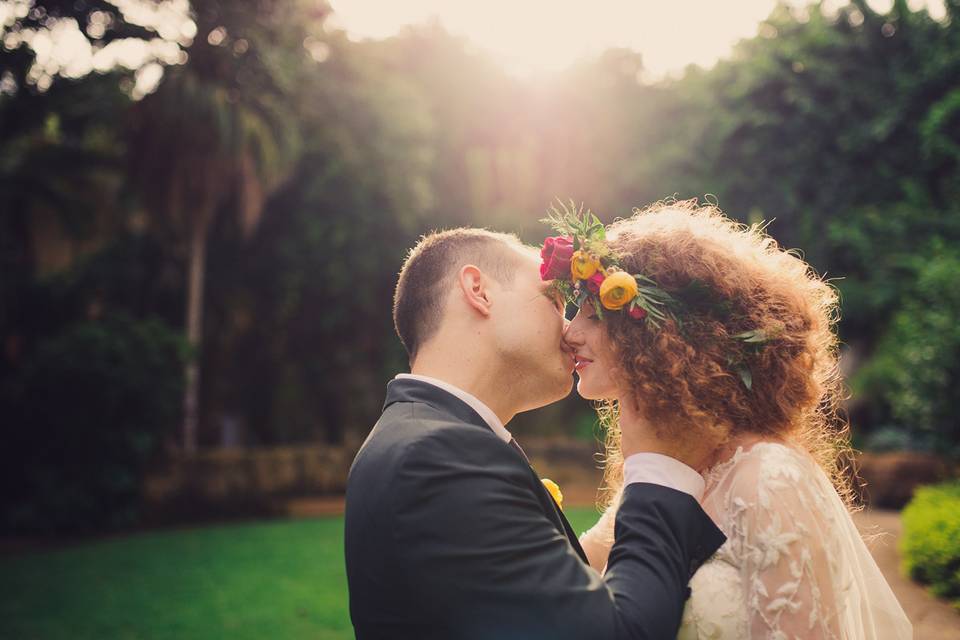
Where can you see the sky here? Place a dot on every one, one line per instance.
(530, 37)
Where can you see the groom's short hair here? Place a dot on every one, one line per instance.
(418, 302)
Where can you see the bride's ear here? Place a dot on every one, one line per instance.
(474, 287)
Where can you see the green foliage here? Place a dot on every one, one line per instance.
(931, 539)
(893, 438)
(84, 417)
(915, 370)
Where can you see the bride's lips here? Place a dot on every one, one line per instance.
(581, 363)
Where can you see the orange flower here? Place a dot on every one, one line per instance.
(583, 265)
(617, 290)
(554, 490)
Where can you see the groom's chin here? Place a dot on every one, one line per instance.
(564, 389)
(568, 387)
(556, 393)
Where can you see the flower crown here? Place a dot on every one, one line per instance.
(583, 268)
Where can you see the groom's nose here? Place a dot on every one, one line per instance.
(570, 338)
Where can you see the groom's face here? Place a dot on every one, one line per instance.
(529, 328)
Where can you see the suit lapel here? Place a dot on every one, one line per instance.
(572, 537)
(419, 391)
(555, 514)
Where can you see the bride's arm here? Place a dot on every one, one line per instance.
(785, 531)
(598, 540)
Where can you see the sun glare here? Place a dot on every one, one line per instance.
(544, 36)
(528, 38)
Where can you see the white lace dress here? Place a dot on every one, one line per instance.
(793, 566)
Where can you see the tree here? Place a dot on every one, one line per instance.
(306, 303)
(217, 138)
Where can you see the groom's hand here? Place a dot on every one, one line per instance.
(694, 449)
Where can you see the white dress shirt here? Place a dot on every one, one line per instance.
(654, 468)
(473, 401)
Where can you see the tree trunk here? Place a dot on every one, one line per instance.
(194, 322)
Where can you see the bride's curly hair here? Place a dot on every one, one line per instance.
(685, 374)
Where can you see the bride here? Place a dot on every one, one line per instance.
(719, 334)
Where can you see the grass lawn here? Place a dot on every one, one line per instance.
(280, 579)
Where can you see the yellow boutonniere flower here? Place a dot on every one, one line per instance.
(583, 265)
(554, 490)
(617, 290)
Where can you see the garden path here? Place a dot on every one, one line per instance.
(932, 619)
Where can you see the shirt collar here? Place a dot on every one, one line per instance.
(472, 401)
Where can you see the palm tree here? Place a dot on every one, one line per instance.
(215, 138)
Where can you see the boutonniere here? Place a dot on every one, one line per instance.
(554, 490)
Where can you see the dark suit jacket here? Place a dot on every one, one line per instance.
(450, 534)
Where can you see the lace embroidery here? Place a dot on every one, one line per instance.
(771, 502)
(782, 573)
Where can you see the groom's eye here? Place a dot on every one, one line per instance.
(558, 302)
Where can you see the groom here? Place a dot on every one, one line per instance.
(449, 531)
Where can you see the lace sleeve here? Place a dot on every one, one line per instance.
(780, 521)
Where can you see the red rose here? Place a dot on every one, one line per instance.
(637, 313)
(594, 282)
(556, 253)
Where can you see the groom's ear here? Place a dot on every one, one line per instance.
(474, 286)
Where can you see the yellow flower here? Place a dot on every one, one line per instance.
(617, 290)
(583, 265)
(554, 490)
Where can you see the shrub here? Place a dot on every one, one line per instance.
(914, 372)
(931, 539)
(86, 414)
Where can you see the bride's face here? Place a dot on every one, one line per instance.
(594, 358)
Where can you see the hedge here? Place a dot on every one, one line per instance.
(931, 539)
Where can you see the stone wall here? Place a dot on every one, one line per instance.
(238, 481)
(889, 479)
(304, 479)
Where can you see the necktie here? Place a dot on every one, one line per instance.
(516, 446)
